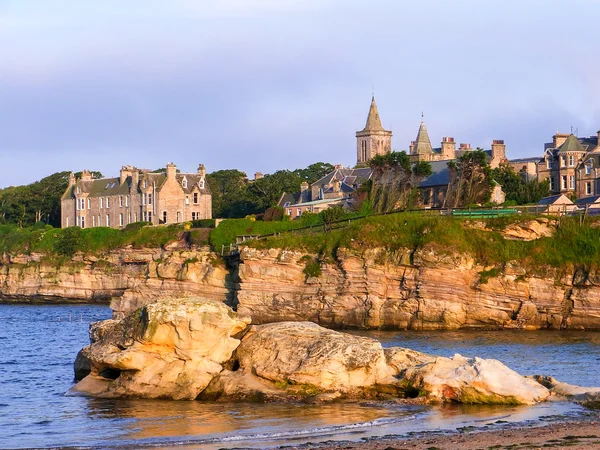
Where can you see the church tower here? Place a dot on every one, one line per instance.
(373, 139)
(420, 149)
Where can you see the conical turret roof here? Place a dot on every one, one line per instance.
(422, 143)
(373, 120)
(571, 145)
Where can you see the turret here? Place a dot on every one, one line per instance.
(373, 139)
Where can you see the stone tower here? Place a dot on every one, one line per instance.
(421, 147)
(373, 139)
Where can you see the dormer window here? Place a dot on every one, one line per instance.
(548, 163)
(201, 184)
(78, 190)
(145, 184)
(184, 183)
(588, 169)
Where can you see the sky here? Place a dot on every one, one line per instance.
(262, 85)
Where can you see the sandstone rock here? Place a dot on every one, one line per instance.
(306, 354)
(473, 380)
(168, 349)
(586, 396)
(530, 230)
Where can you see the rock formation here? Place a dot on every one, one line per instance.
(197, 348)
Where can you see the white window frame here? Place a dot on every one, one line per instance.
(108, 220)
(127, 201)
(82, 222)
(563, 182)
(289, 212)
(101, 202)
(299, 212)
(108, 202)
(93, 221)
(120, 201)
(187, 199)
(196, 198)
(149, 199)
(571, 160)
(563, 161)
(571, 182)
(89, 202)
(121, 219)
(551, 180)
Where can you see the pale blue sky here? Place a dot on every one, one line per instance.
(268, 84)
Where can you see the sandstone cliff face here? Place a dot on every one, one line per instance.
(128, 277)
(421, 291)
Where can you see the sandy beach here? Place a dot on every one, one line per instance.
(584, 434)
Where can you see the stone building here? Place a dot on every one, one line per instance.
(136, 196)
(421, 149)
(373, 139)
(571, 165)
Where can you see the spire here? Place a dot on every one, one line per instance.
(373, 121)
(422, 143)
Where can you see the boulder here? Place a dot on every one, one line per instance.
(305, 354)
(472, 380)
(586, 396)
(167, 349)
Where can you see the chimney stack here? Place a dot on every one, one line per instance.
(202, 170)
(304, 186)
(126, 171)
(171, 171)
(448, 148)
(258, 175)
(72, 179)
(86, 175)
(135, 179)
(498, 153)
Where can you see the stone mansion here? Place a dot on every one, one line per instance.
(136, 196)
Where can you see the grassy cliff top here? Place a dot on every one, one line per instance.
(573, 242)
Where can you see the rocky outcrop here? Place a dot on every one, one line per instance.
(168, 349)
(197, 348)
(128, 277)
(586, 396)
(427, 289)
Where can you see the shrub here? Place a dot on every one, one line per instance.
(203, 223)
(273, 214)
(331, 215)
(69, 241)
(312, 269)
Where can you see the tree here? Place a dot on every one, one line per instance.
(229, 193)
(517, 189)
(394, 180)
(96, 175)
(471, 180)
(267, 191)
(314, 172)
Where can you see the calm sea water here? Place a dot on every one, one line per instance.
(38, 345)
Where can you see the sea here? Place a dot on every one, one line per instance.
(38, 344)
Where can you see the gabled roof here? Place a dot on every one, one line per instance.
(553, 199)
(373, 121)
(440, 175)
(588, 200)
(422, 143)
(572, 144)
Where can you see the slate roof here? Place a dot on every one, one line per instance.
(587, 200)
(440, 175)
(552, 199)
(572, 144)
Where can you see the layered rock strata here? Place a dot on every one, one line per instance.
(404, 289)
(198, 348)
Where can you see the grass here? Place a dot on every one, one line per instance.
(574, 244)
(67, 241)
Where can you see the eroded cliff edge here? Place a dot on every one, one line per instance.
(424, 288)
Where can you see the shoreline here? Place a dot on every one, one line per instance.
(582, 432)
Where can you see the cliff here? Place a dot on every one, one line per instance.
(417, 290)
(128, 278)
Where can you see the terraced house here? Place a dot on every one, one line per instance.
(137, 195)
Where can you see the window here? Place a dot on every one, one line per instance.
(178, 217)
(121, 201)
(184, 183)
(149, 216)
(77, 204)
(201, 184)
(588, 169)
(135, 217)
(289, 212)
(127, 200)
(149, 199)
(82, 222)
(286, 204)
(562, 161)
(299, 211)
(588, 188)
(108, 220)
(195, 197)
(101, 202)
(99, 221)
(548, 163)
(145, 215)
(143, 199)
(551, 183)
(193, 216)
(571, 182)
(145, 184)
(164, 217)
(187, 200)
(120, 220)
(67, 221)
(77, 220)
(93, 221)
(129, 218)
(571, 160)
(78, 190)
(108, 202)
(89, 203)
(563, 182)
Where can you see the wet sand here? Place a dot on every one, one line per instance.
(584, 434)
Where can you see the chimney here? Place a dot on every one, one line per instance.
(498, 153)
(135, 179)
(86, 175)
(171, 171)
(559, 139)
(411, 147)
(72, 179)
(448, 148)
(202, 170)
(258, 176)
(338, 167)
(465, 147)
(598, 137)
(125, 172)
(304, 186)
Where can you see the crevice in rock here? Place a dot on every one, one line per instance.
(110, 373)
(567, 309)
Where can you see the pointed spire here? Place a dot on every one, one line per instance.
(422, 143)
(373, 121)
